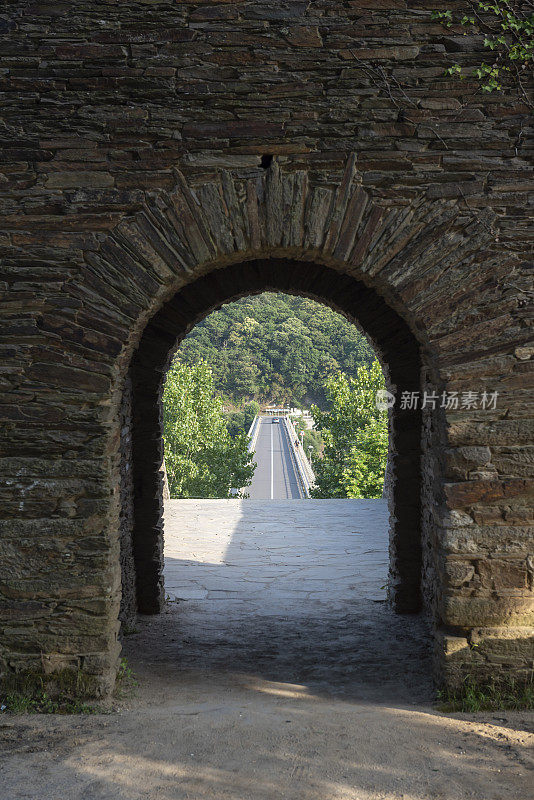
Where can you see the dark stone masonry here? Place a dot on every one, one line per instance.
(159, 159)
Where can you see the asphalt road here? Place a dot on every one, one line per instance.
(274, 478)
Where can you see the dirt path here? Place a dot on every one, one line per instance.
(229, 738)
(276, 671)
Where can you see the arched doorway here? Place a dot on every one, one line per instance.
(398, 272)
(400, 355)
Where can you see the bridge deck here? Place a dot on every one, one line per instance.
(275, 477)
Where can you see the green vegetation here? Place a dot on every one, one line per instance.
(276, 348)
(279, 349)
(355, 437)
(313, 443)
(33, 692)
(312, 440)
(240, 421)
(508, 29)
(126, 681)
(490, 696)
(202, 458)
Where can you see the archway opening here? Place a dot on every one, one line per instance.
(399, 354)
(300, 379)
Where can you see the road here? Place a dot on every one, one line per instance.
(274, 478)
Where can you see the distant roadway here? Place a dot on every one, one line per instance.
(274, 478)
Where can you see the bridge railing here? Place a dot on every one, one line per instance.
(304, 470)
(252, 439)
(253, 434)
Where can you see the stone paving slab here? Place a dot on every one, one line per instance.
(292, 550)
(290, 591)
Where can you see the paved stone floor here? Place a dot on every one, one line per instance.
(276, 671)
(291, 590)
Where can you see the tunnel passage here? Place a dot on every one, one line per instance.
(400, 356)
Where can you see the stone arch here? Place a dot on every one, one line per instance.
(212, 240)
(431, 263)
(395, 345)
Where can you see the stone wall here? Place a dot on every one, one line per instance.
(147, 145)
(128, 608)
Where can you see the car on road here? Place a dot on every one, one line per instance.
(276, 421)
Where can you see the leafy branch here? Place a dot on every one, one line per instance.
(508, 29)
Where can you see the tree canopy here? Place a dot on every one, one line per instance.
(201, 457)
(355, 433)
(275, 347)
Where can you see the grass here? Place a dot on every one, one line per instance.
(33, 692)
(42, 703)
(491, 696)
(62, 692)
(126, 681)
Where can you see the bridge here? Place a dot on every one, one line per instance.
(283, 471)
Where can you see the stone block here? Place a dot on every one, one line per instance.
(524, 353)
(468, 493)
(82, 179)
(459, 573)
(513, 540)
(475, 611)
(489, 655)
(499, 575)
(459, 461)
(303, 36)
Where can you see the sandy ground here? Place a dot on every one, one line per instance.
(276, 671)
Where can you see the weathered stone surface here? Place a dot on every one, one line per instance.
(468, 493)
(143, 153)
(468, 612)
(488, 652)
(484, 540)
(79, 180)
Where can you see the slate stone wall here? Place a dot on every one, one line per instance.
(128, 608)
(147, 145)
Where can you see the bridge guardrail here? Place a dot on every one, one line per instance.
(253, 434)
(252, 439)
(304, 470)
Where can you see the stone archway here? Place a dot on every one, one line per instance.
(396, 347)
(420, 263)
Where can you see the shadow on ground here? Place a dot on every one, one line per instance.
(289, 591)
(280, 672)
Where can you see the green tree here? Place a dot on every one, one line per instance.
(201, 457)
(363, 475)
(312, 444)
(355, 436)
(240, 421)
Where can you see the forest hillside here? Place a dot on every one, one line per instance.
(277, 348)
